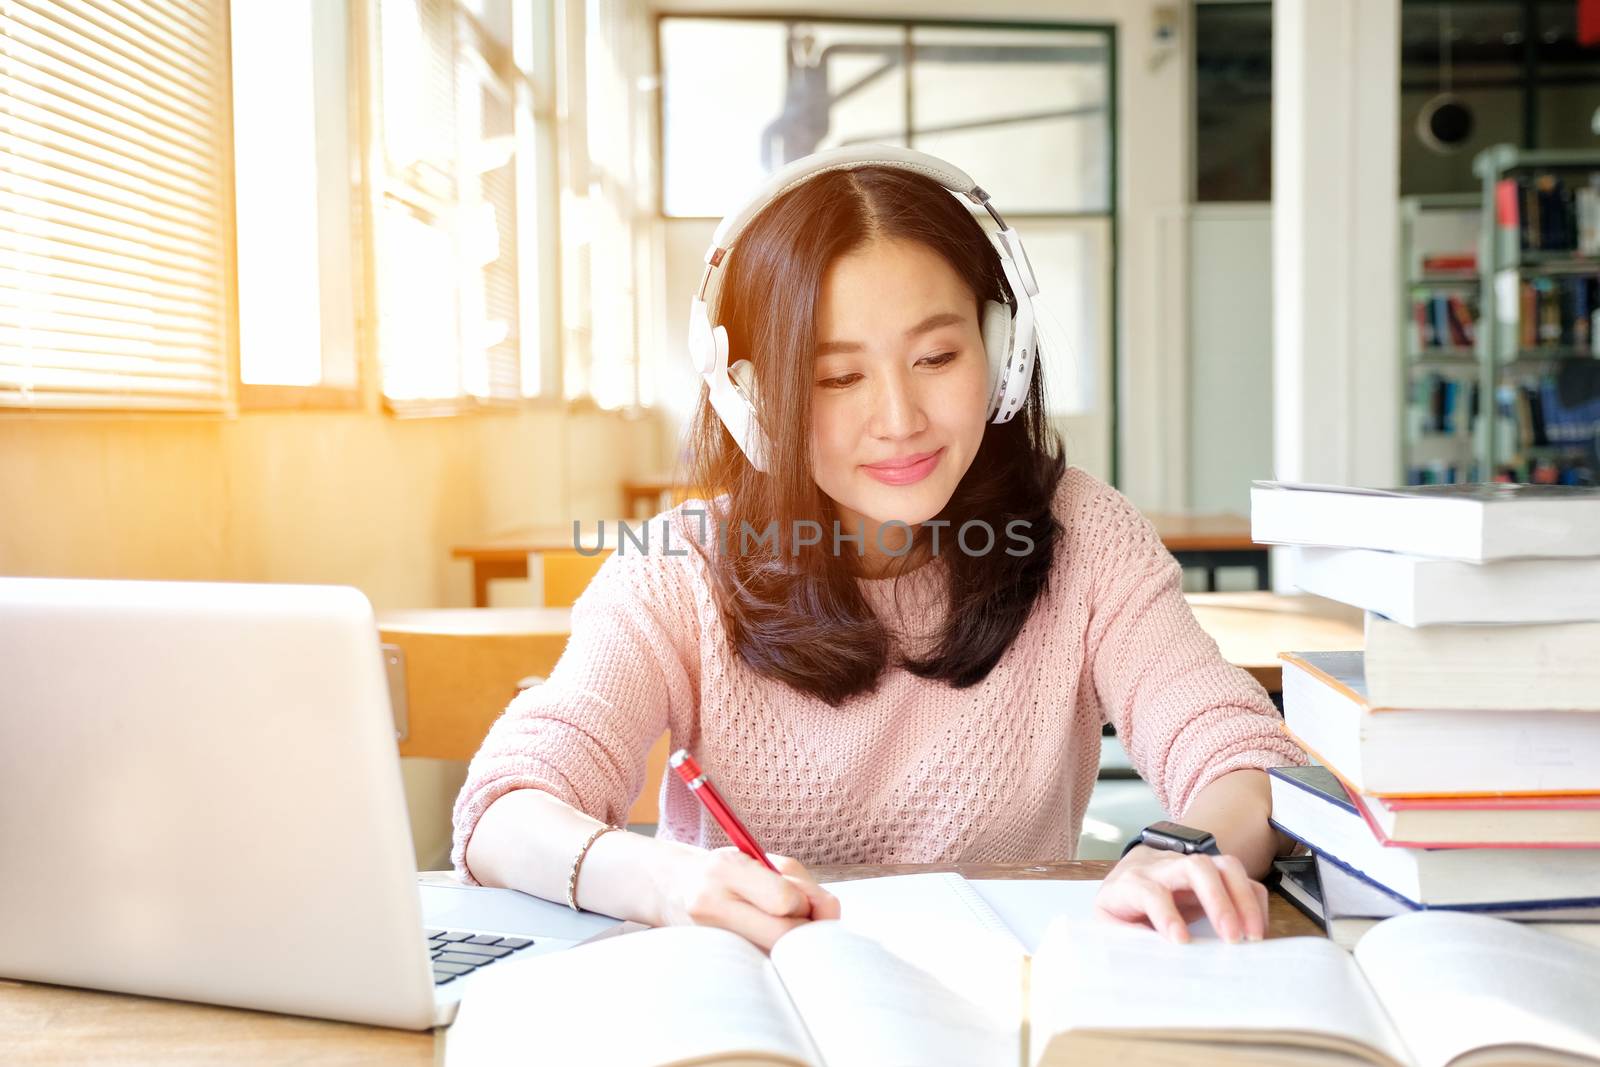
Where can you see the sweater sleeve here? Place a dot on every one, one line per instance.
(1185, 715)
(584, 734)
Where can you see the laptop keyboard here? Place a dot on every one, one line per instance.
(457, 952)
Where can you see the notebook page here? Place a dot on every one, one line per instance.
(1098, 976)
(1029, 906)
(907, 906)
(1454, 982)
(867, 1006)
(666, 996)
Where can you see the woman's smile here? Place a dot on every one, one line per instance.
(905, 470)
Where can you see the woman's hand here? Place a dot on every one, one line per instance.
(1168, 891)
(726, 888)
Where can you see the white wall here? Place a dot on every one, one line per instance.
(1230, 354)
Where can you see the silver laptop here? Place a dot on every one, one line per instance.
(200, 798)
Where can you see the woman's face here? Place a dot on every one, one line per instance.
(900, 385)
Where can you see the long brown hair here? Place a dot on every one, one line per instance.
(794, 611)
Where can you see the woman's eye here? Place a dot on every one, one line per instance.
(940, 360)
(840, 382)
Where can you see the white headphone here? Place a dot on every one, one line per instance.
(1007, 336)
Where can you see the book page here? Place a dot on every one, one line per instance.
(1029, 906)
(951, 998)
(905, 908)
(1454, 982)
(1107, 979)
(674, 995)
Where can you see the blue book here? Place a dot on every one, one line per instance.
(1311, 806)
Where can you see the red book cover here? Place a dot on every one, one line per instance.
(1442, 263)
(1588, 22)
(1505, 199)
(1548, 802)
(1520, 802)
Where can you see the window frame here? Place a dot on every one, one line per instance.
(371, 178)
(1111, 33)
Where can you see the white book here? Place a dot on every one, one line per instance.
(1422, 990)
(1474, 523)
(1410, 752)
(1550, 666)
(1434, 876)
(1351, 906)
(1419, 591)
(1430, 989)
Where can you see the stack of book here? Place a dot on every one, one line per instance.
(1459, 752)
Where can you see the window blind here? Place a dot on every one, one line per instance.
(113, 204)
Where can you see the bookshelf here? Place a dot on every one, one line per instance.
(1440, 371)
(1539, 302)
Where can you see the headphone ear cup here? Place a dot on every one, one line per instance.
(743, 374)
(997, 327)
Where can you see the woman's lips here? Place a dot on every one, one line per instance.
(905, 471)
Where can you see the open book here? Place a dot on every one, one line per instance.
(1423, 990)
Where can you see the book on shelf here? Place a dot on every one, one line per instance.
(1444, 320)
(1311, 806)
(1420, 591)
(1450, 263)
(1557, 312)
(1347, 906)
(1554, 821)
(1473, 522)
(1483, 666)
(1094, 992)
(1551, 212)
(1443, 404)
(1385, 751)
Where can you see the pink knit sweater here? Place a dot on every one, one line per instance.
(916, 771)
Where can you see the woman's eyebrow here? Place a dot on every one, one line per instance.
(932, 322)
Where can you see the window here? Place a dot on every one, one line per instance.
(610, 241)
(114, 266)
(1035, 98)
(293, 213)
(455, 183)
(1026, 110)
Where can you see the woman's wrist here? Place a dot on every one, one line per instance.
(631, 877)
(1235, 808)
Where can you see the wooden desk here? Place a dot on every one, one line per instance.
(1252, 628)
(643, 497)
(1212, 541)
(518, 554)
(53, 1025)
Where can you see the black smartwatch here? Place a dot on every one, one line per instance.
(1174, 837)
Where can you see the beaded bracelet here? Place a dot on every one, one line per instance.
(572, 879)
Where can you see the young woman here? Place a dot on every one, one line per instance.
(867, 674)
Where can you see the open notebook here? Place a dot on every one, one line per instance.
(925, 972)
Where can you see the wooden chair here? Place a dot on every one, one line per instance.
(567, 572)
(462, 666)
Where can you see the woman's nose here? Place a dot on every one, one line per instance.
(897, 408)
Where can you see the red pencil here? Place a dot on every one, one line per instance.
(701, 787)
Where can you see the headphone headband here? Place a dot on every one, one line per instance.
(854, 157)
(802, 170)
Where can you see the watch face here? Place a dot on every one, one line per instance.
(1177, 838)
